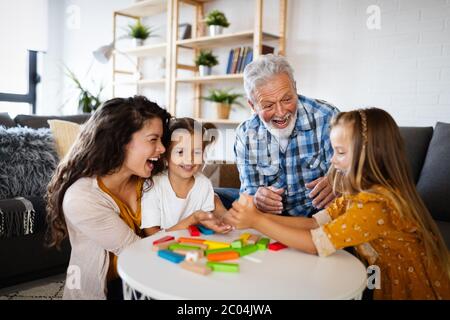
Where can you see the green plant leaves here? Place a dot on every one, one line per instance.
(217, 18)
(206, 58)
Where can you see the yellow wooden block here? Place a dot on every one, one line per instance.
(244, 237)
(216, 245)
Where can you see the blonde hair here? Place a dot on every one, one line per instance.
(379, 159)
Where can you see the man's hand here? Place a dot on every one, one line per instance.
(322, 192)
(269, 200)
(211, 222)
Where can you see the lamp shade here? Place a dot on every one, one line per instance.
(104, 53)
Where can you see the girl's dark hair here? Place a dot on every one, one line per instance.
(100, 150)
(194, 128)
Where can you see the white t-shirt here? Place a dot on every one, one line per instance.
(161, 207)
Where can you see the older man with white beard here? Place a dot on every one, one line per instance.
(283, 151)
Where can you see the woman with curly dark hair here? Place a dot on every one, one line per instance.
(95, 194)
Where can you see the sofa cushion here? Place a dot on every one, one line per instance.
(41, 121)
(416, 145)
(6, 121)
(434, 181)
(65, 134)
(27, 161)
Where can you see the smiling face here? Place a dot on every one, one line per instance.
(144, 149)
(276, 101)
(341, 140)
(186, 154)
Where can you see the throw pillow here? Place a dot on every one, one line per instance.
(65, 134)
(27, 161)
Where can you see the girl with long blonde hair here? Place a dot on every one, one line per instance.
(379, 211)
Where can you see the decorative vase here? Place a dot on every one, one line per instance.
(138, 42)
(215, 30)
(223, 110)
(204, 71)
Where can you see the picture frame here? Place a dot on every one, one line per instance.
(184, 31)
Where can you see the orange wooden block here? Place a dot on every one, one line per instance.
(163, 245)
(191, 240)
(196, 267)
(222, 256)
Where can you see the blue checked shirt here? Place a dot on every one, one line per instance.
(307, 157)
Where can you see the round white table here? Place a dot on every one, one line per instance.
(264, 275)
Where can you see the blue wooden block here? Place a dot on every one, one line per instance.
(205, 230)
(171, 256)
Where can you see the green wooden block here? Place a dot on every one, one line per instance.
(236, 244)
(177, 246)
(223, 267)
(218, 250)
(247, 250)
(263, 243)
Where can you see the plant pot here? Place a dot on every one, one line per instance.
(223, 110)
(204, 71)
(138, 42)
(215, 30)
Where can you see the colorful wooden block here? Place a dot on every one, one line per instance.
(164, 239)
(223, 267)
(253, 239)
(191, 240)
(237, 244)
(263, 243)
(247, 250)
(193, 231)
(204, 230)
(222, 256)
(198, 253)
(196, 267)
(219, 250)
(170, 256)
(275, 246)
(163, 245)
(177, 246)
(244, 237)
(216, 244)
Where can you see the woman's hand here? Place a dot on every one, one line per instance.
(211, 222)
(243, 214)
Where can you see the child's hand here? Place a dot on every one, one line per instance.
(244, 213)
(211, 222)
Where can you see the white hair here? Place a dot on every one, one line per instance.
(259, 71)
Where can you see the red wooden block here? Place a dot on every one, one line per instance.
(193, 231)
(275, 246)
(163, 239)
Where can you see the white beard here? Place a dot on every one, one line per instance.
(282, 135)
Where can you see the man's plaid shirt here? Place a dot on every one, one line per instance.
(307, 157)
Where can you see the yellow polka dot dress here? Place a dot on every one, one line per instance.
(370, 223)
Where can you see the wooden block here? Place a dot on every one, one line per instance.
(204, 230)
(237, 244)
(263, 243)
(176, 246)
(247, 250)
(275, 246)
(219, 250)
(222, 256)
(191, 240)
(185, 253)
(216, 244)
(163, 245)
(223, 267)
(244, 237)
(193, 231)
(253, 239)
(170, 256)
(163, 239)
(196, 267)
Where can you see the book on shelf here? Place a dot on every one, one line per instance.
(240, 57)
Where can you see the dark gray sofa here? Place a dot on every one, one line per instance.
(25, 258)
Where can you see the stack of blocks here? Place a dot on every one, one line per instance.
(188, 251)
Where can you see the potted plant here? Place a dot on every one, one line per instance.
(205, 61)
(216, 21)
(87, 102)
(223, 100)
(139, 33)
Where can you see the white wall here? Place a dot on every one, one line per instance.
(404, 67)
